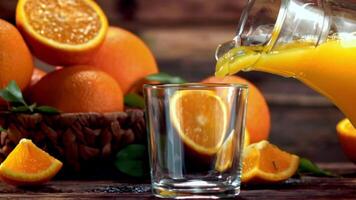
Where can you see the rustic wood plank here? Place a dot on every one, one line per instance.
(307, 131)
(304, 188)
(172, 12)
(187, 43)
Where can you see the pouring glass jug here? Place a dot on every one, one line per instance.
(313, 41)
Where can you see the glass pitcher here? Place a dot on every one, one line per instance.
(313, 41)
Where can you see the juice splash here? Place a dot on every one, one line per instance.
(329, 68)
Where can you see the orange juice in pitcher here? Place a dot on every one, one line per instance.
(313, 41)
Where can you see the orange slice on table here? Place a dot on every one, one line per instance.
(225, 154)
(200, 118)
(62, 32)
(266, 163)
(28, 165)
(347, 137)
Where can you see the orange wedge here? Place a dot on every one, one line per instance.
(247, 138)
(347, 137)
(225, 154)
(28, 165)
(266, 163)
(200, 118)
(62, 32)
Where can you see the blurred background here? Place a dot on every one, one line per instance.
(183, 35)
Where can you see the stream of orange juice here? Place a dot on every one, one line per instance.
(329, 68)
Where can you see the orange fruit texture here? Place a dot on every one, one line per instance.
(125, 57)
(266, 163)
(258, 116)
(201, 126)
(225, 154)
(78, 89)
(62, 32)
(28, 165)
(347, 137)
(16, 62)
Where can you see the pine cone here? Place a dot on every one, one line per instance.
(76, 139)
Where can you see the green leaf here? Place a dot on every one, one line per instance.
(134, 100)
(12, 93)
(32, 107)
(308, 167)
(15, 90)
(131, 160)
(24, 109)
(46, 110)
(2, 129)
(165, 78)
(20, 109)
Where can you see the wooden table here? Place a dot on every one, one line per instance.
(303, 188)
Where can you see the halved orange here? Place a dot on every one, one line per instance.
(28, 165)
(347, 137)
(225, 154)
(200, 118)
(266, 163)
(62, 32)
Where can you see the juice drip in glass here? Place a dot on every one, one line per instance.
(329, 68)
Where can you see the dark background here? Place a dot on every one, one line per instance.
(183, 35)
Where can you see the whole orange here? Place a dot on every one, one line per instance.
(347, 137)
(258, 116)
(16, 62)
(124, 56)
(78, 89)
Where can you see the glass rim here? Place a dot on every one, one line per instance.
(195, 85)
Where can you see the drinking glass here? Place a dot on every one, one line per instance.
(195, 138)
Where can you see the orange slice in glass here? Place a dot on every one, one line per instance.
(266, 163)
(200, 118)
(62, 32)
(225, 154)
(28, 165)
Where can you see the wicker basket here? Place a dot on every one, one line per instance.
(76, 139)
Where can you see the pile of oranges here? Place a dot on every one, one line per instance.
(99, 63)
(95, 65)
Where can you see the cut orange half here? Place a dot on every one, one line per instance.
(62, 32)
(347, 137)
(28, 165)
(226, 153)
(200, 118)
(266, 163)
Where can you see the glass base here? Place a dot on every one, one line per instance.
(194, 189)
